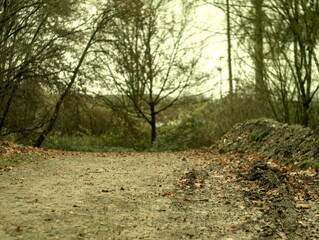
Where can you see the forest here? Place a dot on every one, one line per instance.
(118, 75)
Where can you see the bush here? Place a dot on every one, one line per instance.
(193, 122)
(206, 123)
(117, 139)
(190, 133)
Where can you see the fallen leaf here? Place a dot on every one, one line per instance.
(165, 194)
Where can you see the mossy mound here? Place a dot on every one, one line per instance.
(291, 144)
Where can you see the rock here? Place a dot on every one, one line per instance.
(303, 206)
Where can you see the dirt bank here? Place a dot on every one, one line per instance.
(290, 144)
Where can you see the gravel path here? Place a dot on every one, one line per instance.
(184, 195)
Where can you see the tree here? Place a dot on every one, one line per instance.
(101, 20)
(229, 50)
(296, 33)
(31, 49)
(291, 35)
(259, 49)
(150, 56)
(227, 8)
(249, 17)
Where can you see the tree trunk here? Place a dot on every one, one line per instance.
(259, 52)
(153, 124)
(7, 108)
(305, 114)
(229, 53)
(58, 105)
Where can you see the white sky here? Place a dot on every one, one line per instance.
(212, 20)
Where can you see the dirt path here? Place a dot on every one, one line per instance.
(185, 195)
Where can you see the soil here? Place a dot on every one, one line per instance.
(222, 193)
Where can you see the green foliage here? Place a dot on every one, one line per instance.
(185, 135)
(73, 143)
(117, 139)
(207, 121)
(82, 144)
(87, 124)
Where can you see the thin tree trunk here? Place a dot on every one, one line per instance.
(7, 108)
(58, 105)
(259, 53)
(305, 115)
(230, 69)
(153, 125)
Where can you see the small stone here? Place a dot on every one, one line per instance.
(303, 206)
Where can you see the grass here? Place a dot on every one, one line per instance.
(310, 163)
(14, 160)
(88, 143)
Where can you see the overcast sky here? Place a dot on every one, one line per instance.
(212, 20)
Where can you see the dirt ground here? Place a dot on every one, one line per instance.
(183, 195)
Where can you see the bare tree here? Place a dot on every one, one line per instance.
(99, 22)
(227, 7)
(229, 50)
(281, 39)
(31, 49)
(249, 30)
(296, 34)
(150, 56)
(259, 49)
